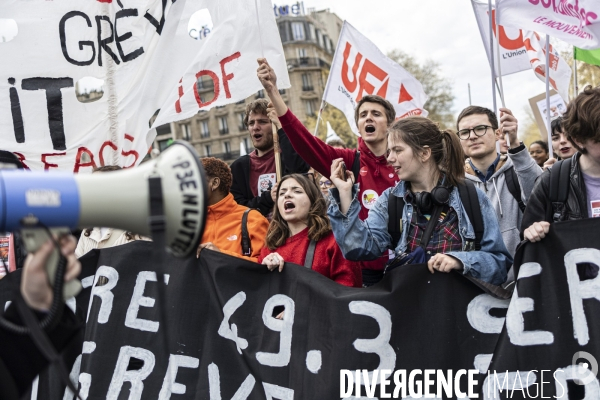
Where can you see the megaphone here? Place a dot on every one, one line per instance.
(119, 199)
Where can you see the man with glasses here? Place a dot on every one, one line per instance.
(508, 179)
(254, 174)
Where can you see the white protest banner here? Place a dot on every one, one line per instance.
(574, 21)
(229, 60)
(560, 71)
(139, 49)
(513, 54)
(360, 68)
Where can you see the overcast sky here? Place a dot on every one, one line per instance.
(441, 30)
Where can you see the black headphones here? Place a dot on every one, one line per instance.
(439, 195)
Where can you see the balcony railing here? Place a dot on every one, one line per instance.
(224, 131)
(306, 62)
(307, 88)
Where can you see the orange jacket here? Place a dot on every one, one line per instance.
(224, 228)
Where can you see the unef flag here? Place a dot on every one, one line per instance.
(513, 55)
(360, 68)
(560, 72)
(574, 21)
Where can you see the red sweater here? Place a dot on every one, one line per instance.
(328, 260)
(375, 174)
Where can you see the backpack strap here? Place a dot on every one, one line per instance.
(246, 249)
(559, 181)
(559, 185)
(512, 182)
(310, 254)
(356, 166)
(468, 196)
(395, 211)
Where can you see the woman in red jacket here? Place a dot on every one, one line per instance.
(300, 223)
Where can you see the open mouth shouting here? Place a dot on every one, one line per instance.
(370, 128)
(288, 206)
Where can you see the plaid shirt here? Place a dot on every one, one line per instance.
(445, 236)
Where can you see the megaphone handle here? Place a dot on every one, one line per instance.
(33, 238)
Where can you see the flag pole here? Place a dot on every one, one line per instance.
(548, 127)
(469, 86)
(273, 126)
(337, 48)
(319, 115)
(493, 67)
(576, 85)
(501, 86)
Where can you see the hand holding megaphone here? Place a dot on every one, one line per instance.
(35, 286)
(124, 199)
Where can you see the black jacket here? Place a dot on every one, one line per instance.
(540, 208)
(20, 359)
(291, 163)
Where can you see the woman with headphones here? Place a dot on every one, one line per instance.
(430, 165)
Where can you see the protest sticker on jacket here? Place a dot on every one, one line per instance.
(560, 71)
(513, 55)
(359, 68)
(139, 50)
(574, 21)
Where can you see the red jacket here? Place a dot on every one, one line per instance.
(328, 260)
(375, 174)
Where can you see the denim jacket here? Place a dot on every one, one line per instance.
(369, 239)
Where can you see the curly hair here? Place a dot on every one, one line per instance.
(581, 122)
(317, 219)
(257, 107)
(216, 168)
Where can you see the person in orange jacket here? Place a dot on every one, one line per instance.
(223, 229)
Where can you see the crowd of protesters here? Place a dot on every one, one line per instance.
(411, 193)
(398, 198)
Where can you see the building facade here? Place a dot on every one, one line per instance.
(309, 39)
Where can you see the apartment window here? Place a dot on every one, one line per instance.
(241, 125)
(223, 128)
(186, 132)
(327, 42)
(298, 31)
(207, 150)
(163, 144)
(306, 83)
(302, 53)
(247, 145)
(313, 34)
(204, 132)
(319, 38)
(310, 107)
(260, 94)
(227, 147)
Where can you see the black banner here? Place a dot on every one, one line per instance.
(215, 334)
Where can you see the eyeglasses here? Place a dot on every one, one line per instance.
(479, 130)
(325, 183)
